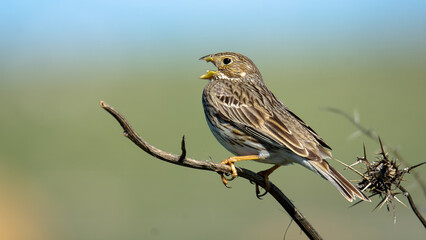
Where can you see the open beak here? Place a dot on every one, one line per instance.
(207, 58)
(209, 74)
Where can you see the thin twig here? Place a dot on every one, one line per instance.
(413, 206)
(182, 160)
(371, 134)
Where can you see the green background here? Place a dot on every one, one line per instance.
(66, 171)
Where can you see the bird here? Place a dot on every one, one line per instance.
(251, 123)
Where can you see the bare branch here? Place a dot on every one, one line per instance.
(182, 160)
(413, 206)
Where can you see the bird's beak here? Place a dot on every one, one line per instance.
(208, 59)
(209, 74)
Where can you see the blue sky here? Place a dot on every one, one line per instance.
(74, 30)
(38, 22)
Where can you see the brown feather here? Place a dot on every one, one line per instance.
(235, 108)
(341, 183)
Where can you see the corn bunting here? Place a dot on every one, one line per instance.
(250, 122)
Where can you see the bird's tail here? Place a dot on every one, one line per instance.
(349, 191)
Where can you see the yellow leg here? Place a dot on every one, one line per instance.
(230, 161)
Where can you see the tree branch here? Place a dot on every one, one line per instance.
(184, 161)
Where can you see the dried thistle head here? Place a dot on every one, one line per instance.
(381, 177)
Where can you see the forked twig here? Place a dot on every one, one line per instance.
(184, 161)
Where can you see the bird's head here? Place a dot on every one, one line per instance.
(231, 66)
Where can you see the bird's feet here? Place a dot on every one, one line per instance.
(230, 161)
(265, 174)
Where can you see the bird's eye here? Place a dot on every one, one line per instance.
(226, 61)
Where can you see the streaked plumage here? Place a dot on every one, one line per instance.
(247, 119)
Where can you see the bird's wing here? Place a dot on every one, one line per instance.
(317, 137)
(245, 109)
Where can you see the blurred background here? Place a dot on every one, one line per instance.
(66, 171)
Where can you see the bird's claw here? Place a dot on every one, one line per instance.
(225, 180)
(230, 161)
(234, 174)
(265, 174)
(258, 195)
